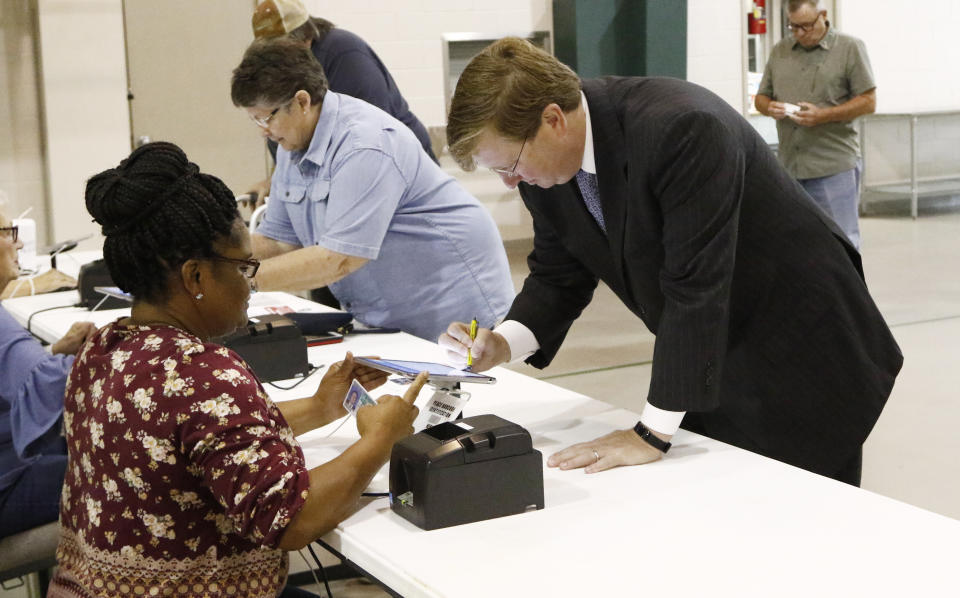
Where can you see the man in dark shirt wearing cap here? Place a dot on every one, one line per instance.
(351, 65)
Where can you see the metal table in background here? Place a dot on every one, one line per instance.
(915, 186)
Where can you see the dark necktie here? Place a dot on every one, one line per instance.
(591, 196)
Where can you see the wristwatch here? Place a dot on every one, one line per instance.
(650, 438)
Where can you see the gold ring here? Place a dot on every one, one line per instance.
(596, 455)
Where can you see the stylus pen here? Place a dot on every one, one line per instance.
(473, 336)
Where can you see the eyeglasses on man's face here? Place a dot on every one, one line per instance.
(12, 232)
(512, 171)
(247, 267)
(803, 27)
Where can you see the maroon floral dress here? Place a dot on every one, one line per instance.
(182, 474)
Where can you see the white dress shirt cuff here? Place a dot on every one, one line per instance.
(659, 420)
(519, 338)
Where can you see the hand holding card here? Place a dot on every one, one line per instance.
(357, 397)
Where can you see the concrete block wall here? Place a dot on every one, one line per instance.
(912, 49)
(407, 36)
(887, 148)
(715, 30)
(914, 55)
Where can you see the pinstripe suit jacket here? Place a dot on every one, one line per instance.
(764, 326)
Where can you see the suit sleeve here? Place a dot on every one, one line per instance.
(555, 292)
(698, 179)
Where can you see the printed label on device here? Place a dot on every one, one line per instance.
(443, 406)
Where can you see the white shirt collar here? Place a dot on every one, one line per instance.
(589, 163)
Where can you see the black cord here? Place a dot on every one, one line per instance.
(313, 370)
(40, 311)
(323, 573)
(376, 494)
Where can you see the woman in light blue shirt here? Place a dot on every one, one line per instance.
(32, 454)
(358, 206)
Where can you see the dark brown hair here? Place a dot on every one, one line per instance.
(506, 87)
(273, 71)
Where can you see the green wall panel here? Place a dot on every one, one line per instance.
(622, 37)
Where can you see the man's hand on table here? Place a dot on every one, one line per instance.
(621, 447)
(489, 349)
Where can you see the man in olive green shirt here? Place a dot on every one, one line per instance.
(815, 84)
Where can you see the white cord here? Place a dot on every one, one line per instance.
(310, 567)
(57, 252)
(20, 281)
(97, 306)
(345, 420)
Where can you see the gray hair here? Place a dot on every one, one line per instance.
(795, 5)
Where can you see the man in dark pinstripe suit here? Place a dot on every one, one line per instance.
(767, 337)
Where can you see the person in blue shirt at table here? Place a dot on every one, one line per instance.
(356, 205)
(33, 456)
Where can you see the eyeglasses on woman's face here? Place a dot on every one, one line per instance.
(264, 122)
(247, 267)
(11, 232)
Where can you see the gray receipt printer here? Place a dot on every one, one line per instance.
(467, 470)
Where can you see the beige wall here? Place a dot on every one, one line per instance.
(21, 143)
(84, 86)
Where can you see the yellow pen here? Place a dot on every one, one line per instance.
(473, 336)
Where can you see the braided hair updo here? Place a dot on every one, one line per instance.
(157, 210)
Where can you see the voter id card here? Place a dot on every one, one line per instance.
(357, 397)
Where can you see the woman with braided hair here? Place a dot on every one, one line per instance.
(184, 478)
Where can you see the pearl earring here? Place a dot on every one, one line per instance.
(199, 296)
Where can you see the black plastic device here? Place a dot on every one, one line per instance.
(462, 471)
(272, 346)
(92, 275)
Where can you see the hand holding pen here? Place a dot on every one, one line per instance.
(480, 348)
